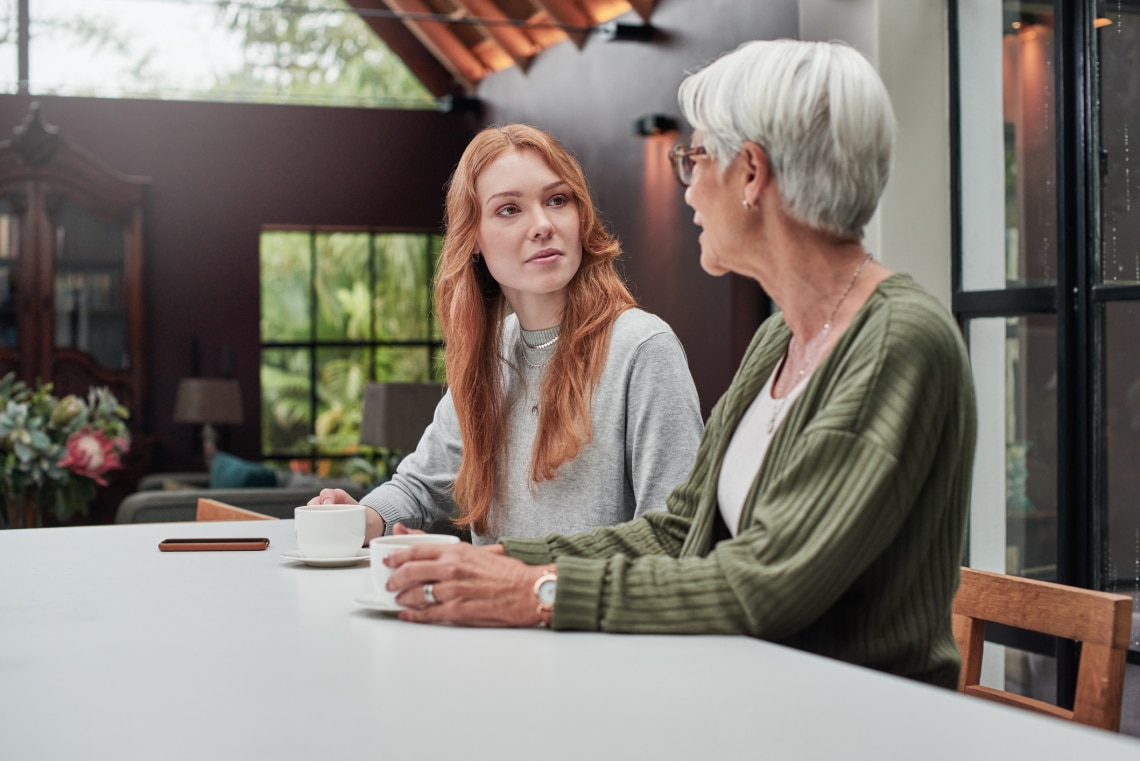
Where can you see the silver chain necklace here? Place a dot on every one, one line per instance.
(812, 347)
(539, 365)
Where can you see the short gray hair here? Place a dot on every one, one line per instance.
(819, 110)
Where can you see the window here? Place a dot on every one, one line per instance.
(1047, 288)
(339, 309)
(320, 52)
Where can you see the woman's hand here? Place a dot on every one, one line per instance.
(373, 523)
(472, 586)
(333, 497)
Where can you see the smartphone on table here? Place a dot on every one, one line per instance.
(197, 544)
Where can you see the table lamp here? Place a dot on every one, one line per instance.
(396, 414)
(208, 402)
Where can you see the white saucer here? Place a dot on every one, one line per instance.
(361, 554)
(375, 603)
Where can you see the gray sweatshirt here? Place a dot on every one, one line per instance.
(645, 425)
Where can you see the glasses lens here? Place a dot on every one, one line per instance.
(682, 164)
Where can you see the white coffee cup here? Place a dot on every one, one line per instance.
(381, 546)
(329, 531)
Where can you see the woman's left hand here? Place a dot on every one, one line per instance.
(471, 586)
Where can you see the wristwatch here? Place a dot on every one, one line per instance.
(544, 590)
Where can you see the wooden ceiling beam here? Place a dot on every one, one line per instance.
(567, 13)
(422, 62)
(492, 55)
(442, 59)
(644, 8)
(602, 11)
(543, 31)
(511, 39)
(449, 49)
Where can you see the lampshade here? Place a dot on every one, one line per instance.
(208, 400)
(396, 414)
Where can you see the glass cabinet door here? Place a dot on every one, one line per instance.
(88, 286)
(9, 265)
(71, 251)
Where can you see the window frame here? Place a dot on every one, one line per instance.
(433, 344)
(1078, 302)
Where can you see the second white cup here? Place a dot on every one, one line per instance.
(381, 546)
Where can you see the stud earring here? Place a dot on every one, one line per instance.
(745, 204)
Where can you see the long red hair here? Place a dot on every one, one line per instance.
(472, 309)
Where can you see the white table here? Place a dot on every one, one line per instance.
(111, 649)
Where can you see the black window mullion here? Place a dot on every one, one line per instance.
(1105, 294)
(429, 245)
(372, 315)
(1009, 302)
(314, 311)
(955, 71)
(1077, 352)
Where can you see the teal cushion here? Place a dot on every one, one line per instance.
(229, 472)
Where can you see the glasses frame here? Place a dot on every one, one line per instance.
(682, 158)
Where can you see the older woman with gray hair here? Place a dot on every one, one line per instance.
(827, 507)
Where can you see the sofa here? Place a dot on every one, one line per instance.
(169, 497)
(165, 497)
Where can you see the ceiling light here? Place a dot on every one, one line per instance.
(654, 124)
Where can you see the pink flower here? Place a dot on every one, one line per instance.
(90, 454)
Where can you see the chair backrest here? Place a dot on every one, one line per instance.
(213, 510)
(1100, 621)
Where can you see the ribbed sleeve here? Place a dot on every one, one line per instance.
(851, 536)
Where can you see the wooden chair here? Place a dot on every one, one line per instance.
(212, 510)
(1100, 621)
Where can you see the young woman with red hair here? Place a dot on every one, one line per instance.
(567, 407)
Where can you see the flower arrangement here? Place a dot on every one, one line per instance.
(54, 452)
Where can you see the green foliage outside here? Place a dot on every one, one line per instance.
(337, 311)
(315, 57)
(318, 52)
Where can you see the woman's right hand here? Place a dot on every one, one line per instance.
(333, 497)
(373, 523)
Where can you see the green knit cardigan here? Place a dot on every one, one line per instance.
(851, 537)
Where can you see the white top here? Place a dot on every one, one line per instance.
(112, 649)
(749, 445)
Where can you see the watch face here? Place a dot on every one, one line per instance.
(546, 592)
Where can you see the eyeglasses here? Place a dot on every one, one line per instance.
(683, 158)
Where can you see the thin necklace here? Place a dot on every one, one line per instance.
(812, 347)
(544, 345)
(539, 365)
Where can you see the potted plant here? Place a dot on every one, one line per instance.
(55, 452)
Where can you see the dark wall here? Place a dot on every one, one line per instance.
(219, 172)
(589, 98)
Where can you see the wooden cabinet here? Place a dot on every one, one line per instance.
(71, 257)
